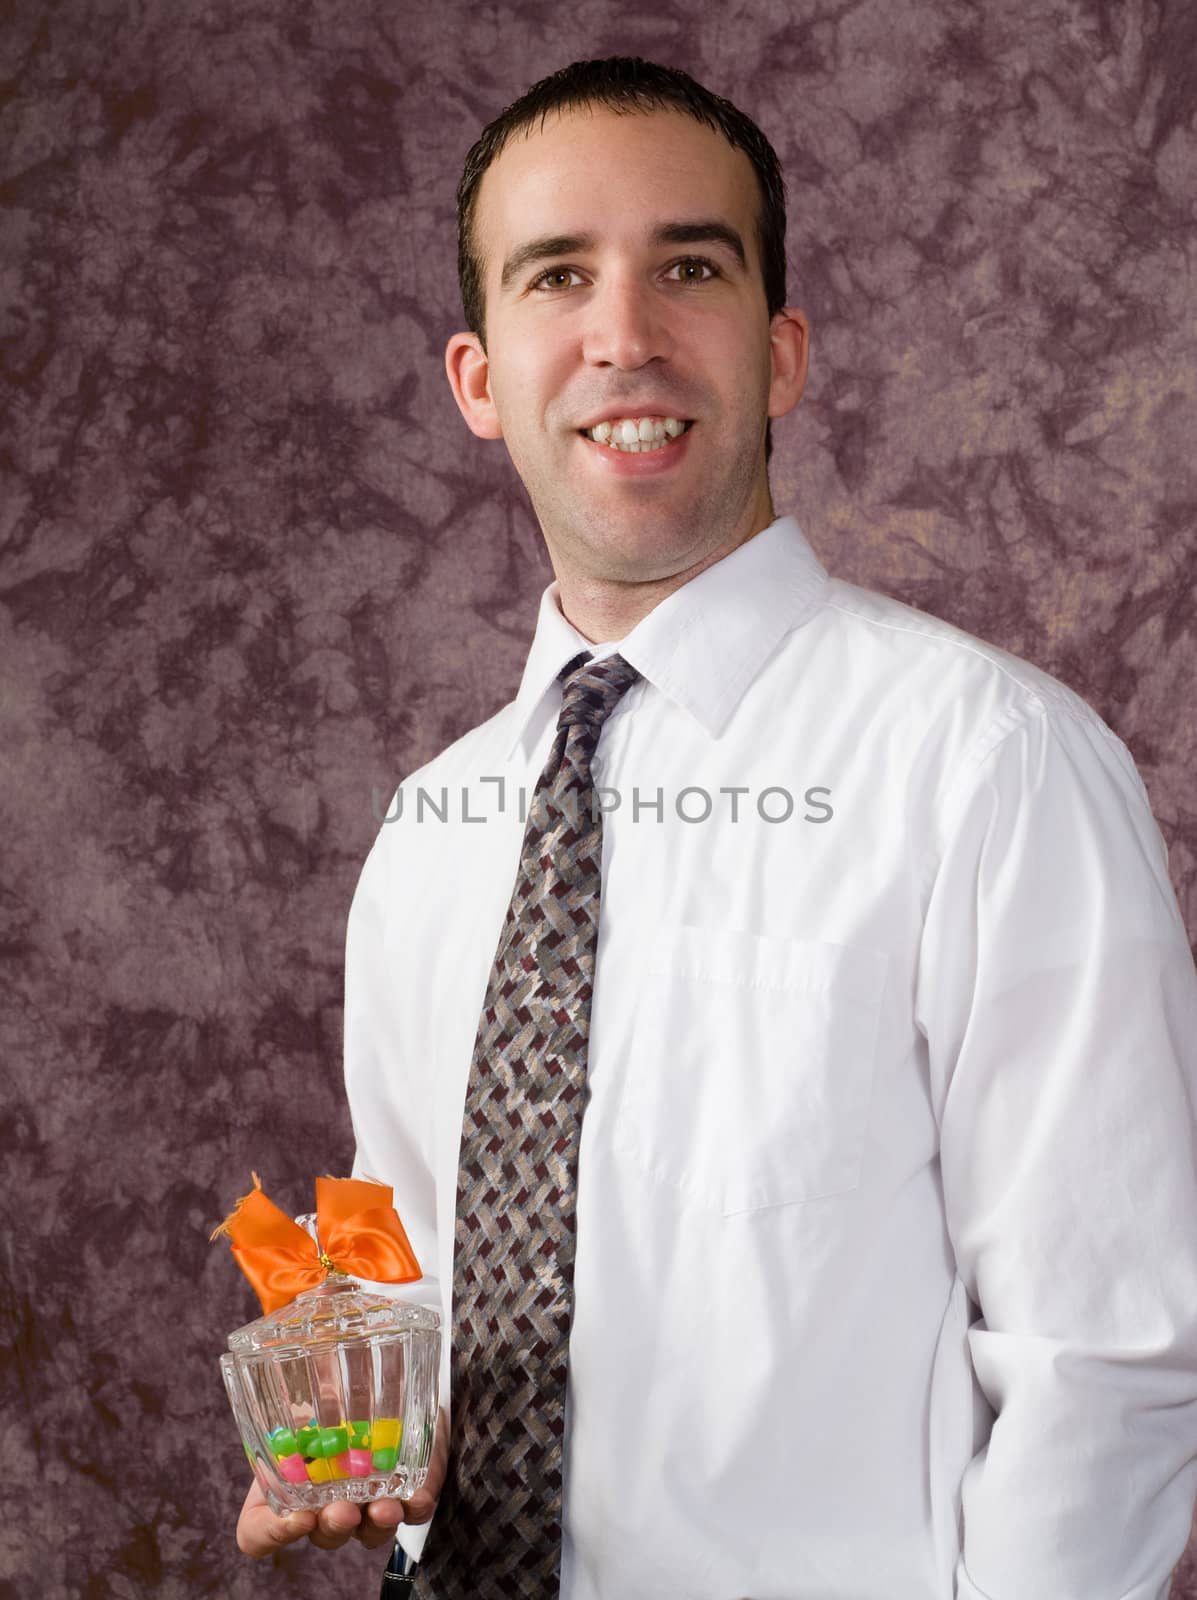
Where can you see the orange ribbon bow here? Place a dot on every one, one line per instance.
(360, 1234)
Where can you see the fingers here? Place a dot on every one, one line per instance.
(337, 1523)
(260, 1533)
(419, 1508)
(379, 1523)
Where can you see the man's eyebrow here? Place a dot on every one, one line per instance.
(704, 232)
(551, 245)
(543, 249)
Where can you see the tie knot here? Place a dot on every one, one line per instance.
(593, 690)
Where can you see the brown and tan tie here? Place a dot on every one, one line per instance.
(498, 1525)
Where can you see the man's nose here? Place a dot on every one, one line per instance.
(626, 327)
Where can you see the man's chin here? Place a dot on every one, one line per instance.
(667, 558)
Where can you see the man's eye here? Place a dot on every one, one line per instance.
(693, 268)
(551, 278)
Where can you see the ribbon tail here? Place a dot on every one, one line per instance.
(224, 1230)
(338, 1199)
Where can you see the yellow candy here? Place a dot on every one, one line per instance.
(386, 1433)
(322, 1471)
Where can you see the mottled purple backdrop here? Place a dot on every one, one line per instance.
(254, 568)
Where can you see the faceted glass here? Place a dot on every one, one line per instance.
(335, 1395)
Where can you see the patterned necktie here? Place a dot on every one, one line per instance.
(498, 1525)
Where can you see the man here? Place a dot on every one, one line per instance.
(885, 1272)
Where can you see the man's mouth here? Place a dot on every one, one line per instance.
(636, 435)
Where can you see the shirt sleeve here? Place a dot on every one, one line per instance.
(387, 1108)
(1058, 997)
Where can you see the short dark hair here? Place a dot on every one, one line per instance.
(624, 84)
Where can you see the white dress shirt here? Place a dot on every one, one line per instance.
(890, 1125)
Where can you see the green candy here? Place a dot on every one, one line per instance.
(283, 1443)
(328, 1442)
(359, 1435)
(305, 1438)
(384, 1460)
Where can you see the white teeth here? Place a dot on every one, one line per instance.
(635, 434)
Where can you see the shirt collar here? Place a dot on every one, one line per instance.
(706, 642)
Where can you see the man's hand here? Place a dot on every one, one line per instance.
(260, 1533)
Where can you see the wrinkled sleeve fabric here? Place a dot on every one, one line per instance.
(1058, 997)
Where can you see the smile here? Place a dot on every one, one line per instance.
(637, 435)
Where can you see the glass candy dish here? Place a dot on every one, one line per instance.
(335, 1395)
(334, 1388)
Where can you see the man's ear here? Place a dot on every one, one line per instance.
(789, 344)
(468, 369)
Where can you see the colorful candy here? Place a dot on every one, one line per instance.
(318, 1453)
(386, 1433)
(329, 1442)
(293, 1468)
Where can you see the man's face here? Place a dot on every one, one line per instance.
(600, 307)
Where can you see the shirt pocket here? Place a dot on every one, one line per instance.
(750, 1067)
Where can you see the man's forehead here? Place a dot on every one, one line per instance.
(590, 169)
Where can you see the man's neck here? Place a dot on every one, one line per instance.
(602, 610)
(605, 608)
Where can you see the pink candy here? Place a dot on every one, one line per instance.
(293, 1468)
(359, 1462)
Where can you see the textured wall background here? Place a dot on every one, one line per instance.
(252, 567)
